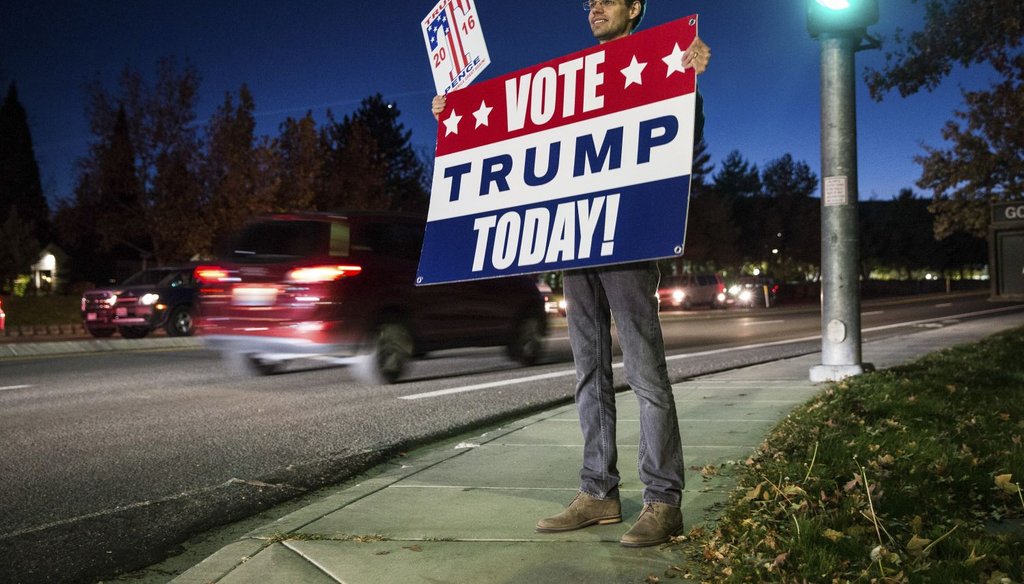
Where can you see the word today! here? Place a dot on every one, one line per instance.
(534, 236)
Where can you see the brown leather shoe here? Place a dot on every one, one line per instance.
(583, 511)
(657, 523)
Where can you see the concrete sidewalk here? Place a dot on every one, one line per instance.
(464, 511)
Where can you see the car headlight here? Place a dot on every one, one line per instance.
(746, 296)
(678, 295)
(734, 290)
(149, 299)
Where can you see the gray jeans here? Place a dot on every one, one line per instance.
(627, 293)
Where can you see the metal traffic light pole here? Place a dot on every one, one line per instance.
(840, 237)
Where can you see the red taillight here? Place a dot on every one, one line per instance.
(210, 274)
(313, 274)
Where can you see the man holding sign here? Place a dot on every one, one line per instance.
(628, 292)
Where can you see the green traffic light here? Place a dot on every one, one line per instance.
(840, 16)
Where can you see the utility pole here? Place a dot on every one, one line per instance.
(840, 26)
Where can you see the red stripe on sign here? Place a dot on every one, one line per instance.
(640, 69)
(456, 23)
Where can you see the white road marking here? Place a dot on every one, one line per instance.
(760, 322)
(568, 372)
(5, 388)
(872, 312)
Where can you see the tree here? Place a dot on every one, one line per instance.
(896, 235)
(142, 162)
(170, 164)
(354, 174)
(964, 32)
(711, 234)
(737, 177)
(20, 248)
(370, 153)
(115, 199)
(20, 187)
(791, 228)
(300, 163)
(983, 163)
(239, 169)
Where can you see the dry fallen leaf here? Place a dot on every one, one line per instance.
(754, 493)
(1004, 483)
(794, 491)
(917, 545)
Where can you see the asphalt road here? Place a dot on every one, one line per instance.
(111, 460)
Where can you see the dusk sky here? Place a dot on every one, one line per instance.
(761, 89)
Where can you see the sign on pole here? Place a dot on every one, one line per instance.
(455, 44)
(580, 161)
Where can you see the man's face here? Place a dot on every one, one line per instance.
(612, 22)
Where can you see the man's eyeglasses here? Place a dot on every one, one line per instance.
(589, 5)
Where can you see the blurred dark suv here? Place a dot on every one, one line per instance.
(148, 300)
(754, 291)
(341, 288)
(689, 290)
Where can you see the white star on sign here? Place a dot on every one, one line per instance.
(675, 61)
(482, 114)
(452, 124)
(633, 72)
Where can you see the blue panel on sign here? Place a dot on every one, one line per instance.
(639, 222)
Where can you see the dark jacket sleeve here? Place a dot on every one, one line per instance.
(698, 119)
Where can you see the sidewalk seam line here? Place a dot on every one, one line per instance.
(312, 562)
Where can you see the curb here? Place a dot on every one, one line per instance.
(44, 330)
(51, 347)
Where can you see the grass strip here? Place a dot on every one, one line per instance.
(911, 474)
(42, 310)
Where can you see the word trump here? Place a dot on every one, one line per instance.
(534, 236)
(587, 156)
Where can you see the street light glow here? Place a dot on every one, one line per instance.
(835, 4)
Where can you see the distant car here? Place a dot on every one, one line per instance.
(3, 316)
(148, 300)
(341, 288)
(554, 302)
(689, 290)
(754, 292)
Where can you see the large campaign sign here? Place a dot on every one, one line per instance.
(455, 44)
(580, 161)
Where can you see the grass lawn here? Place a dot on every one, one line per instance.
(42, 310)
(911, 474)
